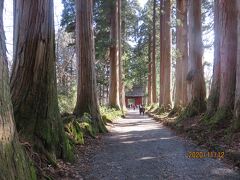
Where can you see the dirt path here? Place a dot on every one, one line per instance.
(140, 148)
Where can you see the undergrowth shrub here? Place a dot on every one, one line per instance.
(67, 100)
(109, 114)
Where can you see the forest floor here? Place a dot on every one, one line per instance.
(138, 147)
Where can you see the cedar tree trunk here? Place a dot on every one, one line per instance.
(149, 100)
(114, 58)
(154, 89)
(86, 95)
(121, 72)
(195, 75)
(237, 91)
(33, 81)
(165, 49)
(14, 164)
(182, 48)
(228, 53)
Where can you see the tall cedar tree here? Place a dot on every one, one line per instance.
(14, 164)
(195, 75)
(149, 100)
(121, 71)
(165, 50)
(154, 84)
(33, 80)
(87, 100)
(213, 98)
(237, 91)
(114, 96)
(228, 58)
(161, 94)
(182, 55)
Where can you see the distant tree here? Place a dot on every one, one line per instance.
(130, 16)
(114, 97)
(161, 94)
(33, 80)
(154, 83)
(165, 50)
(213, 99)
(87, 101)
(149, 101)
(66, 62)
(121, 71)
(68, 20)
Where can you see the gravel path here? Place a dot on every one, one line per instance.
(140, 148)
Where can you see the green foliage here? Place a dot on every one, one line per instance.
(133, 30)
(109, 114)
(67, 102)
(68, 15)
(207, 23)
(88, 126)
(75, 131)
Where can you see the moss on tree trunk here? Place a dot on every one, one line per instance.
(227, 29)
(14, 163)
(33, 81)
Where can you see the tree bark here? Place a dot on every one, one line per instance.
(154, 88)
(185, 55)
(14, 163)
(33, 81)
(114, 60)
(165, 63)
(121, 72)
(87, 101)
(182, 49)
(161, 95)
(167, 102)
(213, 99)
(149, 100)
(195, 75)
(228, 53)
(237, 91)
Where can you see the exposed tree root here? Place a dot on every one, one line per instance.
(220, 118)
(176, 111)
(196, 107)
